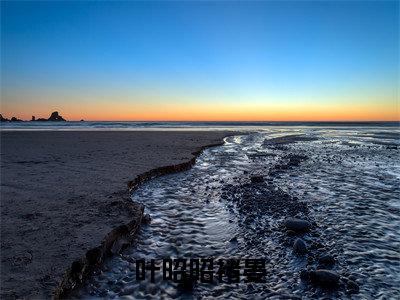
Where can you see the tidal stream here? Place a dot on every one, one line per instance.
(343, 181)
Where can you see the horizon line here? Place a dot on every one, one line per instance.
(224, 121)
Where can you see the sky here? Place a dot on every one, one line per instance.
(195, 61)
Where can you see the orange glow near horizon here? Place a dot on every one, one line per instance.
(217, 112)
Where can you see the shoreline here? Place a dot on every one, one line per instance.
(123, 235)
(34, 280)
(282, 198)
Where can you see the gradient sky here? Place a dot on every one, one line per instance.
(261, 61)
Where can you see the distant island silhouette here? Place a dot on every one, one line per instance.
(54, 117)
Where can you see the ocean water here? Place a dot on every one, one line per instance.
(343, 180)
(179, 125)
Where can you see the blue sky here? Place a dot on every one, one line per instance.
(198, 53)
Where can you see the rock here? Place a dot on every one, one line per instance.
(326, 260)
(55, 117)
(256, 179)
(299, 246)
(297, 225)
(352, 287)
(3, 119)
(15, 119)
(325, 278)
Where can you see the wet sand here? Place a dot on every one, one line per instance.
(62, 192)
(319, 206)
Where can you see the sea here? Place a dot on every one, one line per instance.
(129, 125)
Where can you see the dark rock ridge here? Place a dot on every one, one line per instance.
(113, 243)
(55, 116)
(119, 238)
(157, 172)
(262, 196)
(2, 119)
(15, 119)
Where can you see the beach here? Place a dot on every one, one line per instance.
(316, 207)
(199, 150)
(62, 192)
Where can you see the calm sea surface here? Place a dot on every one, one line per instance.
(179, 125)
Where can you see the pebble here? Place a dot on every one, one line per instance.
(297, 225)
(299, 246)
(325, 278)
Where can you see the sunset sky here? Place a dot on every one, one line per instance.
(264, 61)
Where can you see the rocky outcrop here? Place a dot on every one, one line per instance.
(55, 117)
(113, 243)
(157, 172)
(15, 119)
(3, 119)
(119, 238)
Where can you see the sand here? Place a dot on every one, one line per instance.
(56, 191)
